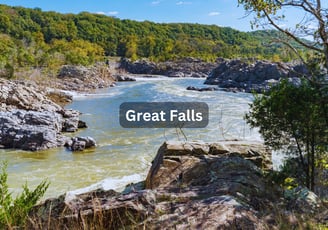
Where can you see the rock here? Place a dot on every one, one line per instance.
(187, 67)
(26, 96)
(30, 130)
(176, 74)
(71, 120)
(29, 120)
(190, 185)
(124, 78)
(59, 97)
(179, 155)
(80, 143)
(202, 89)
(82, 124)
(258, 76)
(81, 78)
(303, 200)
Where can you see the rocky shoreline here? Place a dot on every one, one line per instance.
(256, 76)
(235, 75)
(190, 185)
(32, 117)
(188, 67)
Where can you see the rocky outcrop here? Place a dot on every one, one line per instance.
(188, 67)
(81, 78)
(176, 162)
(29, 120)
(190, 185)
(258, 76)
(30, 130)
(202, 89)
(26, 96)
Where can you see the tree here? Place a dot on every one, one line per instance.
(312, 21)
(312, 25)
(290, 117)
(296, 115)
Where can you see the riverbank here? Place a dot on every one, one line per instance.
(117, 161)
(191, 185)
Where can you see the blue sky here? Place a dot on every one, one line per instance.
(217, 12)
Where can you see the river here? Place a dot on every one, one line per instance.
(124, 155)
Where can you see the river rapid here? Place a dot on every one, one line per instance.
(124, 155)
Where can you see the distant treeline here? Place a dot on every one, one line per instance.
(31, 37)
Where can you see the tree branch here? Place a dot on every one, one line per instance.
(296, 39)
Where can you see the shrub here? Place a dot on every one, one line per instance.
(13, 211)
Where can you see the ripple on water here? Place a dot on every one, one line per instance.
(125, 155)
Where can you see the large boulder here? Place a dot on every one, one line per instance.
(190, 185)
(177, 160)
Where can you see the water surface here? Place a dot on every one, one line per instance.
(125, 155)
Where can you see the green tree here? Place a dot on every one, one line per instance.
(296, 116)
(290, 117)
(312, 22)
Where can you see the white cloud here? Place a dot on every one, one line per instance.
(282, 25)
(183, 3)
(100, 12)
(155, 2)
(112, 13)
(214, 13)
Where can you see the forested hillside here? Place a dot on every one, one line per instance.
(31, 37)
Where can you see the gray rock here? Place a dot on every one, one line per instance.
(29, 120)
(124, 78)
(80, 143)
(81, 78)
(202, 89)
(30, 130)
(187, 67)
(259, 76)
(303, 200)
(176, 74)
(71, 120)
(24, 95)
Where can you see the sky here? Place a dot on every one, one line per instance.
(225, 13)
(212, 12)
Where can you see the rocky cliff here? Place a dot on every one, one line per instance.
(258, 76)
(190, 185)
(30, 120)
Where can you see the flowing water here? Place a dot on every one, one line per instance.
(124, 155)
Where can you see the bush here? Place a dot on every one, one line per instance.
(13, 212)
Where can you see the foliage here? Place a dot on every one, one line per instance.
(13, 212)
(31, 37)
(311, 21)
(291, 117)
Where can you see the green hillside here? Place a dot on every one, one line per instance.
(31, 37)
